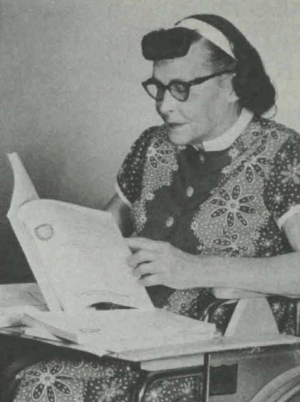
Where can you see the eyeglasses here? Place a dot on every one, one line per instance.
(180, 90)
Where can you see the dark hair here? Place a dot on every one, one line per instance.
(251, 82)
(168, 44)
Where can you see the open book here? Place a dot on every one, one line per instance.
(78, 257)
(77, 254)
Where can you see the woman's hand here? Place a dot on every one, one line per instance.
(159, 263)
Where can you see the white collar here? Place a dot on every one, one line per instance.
(228, 138)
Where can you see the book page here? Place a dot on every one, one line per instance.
(85, 254)
(77, 254)
(24, 192)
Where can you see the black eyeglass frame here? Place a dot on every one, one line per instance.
(186, 84)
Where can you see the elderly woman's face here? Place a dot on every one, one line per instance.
(204, 114)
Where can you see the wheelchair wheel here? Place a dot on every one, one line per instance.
(284, 388)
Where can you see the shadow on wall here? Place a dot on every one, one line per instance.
(13, 266)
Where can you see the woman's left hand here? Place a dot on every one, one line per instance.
(160, 263)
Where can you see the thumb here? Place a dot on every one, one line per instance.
(138, 243)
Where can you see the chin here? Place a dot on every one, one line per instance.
(179, 137)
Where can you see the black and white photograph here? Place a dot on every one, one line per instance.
(149, 201)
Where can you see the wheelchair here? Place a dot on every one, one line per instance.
(261, 374)
(251, 362)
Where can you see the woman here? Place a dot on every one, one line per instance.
(215, 180)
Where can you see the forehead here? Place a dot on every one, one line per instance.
(193, 64)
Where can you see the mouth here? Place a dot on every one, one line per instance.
(174, 125)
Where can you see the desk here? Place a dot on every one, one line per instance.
(193, 359)
(196, 358)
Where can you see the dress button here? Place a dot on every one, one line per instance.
(201, 158)
(170, 221)
(189, 191)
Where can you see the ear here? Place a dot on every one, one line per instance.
(228, 87)
(233, 96)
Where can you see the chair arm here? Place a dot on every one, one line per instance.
(237, 294)
(233, 293)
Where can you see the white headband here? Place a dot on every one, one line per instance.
(209, 32)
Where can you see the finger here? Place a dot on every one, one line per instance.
(151, 280)
(138, 243)
(140, 257)
(145, 269)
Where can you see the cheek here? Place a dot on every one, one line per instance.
(195, 112)
(202, 107)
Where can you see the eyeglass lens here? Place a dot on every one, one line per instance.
(180, 91)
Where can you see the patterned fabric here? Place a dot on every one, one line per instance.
(239, 198)
(97, 380)
(228, 203)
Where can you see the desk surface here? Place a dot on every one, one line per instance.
(217, 344)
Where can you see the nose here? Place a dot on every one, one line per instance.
(166, 105)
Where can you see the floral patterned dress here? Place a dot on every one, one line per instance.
(229, 203)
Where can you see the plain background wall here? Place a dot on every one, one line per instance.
(71, 99)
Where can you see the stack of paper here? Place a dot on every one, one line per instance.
(122, 330)
(16, 300)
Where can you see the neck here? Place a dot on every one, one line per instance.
(226, 120)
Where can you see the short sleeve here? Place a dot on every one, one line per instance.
(282, 192)
(130, 175)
